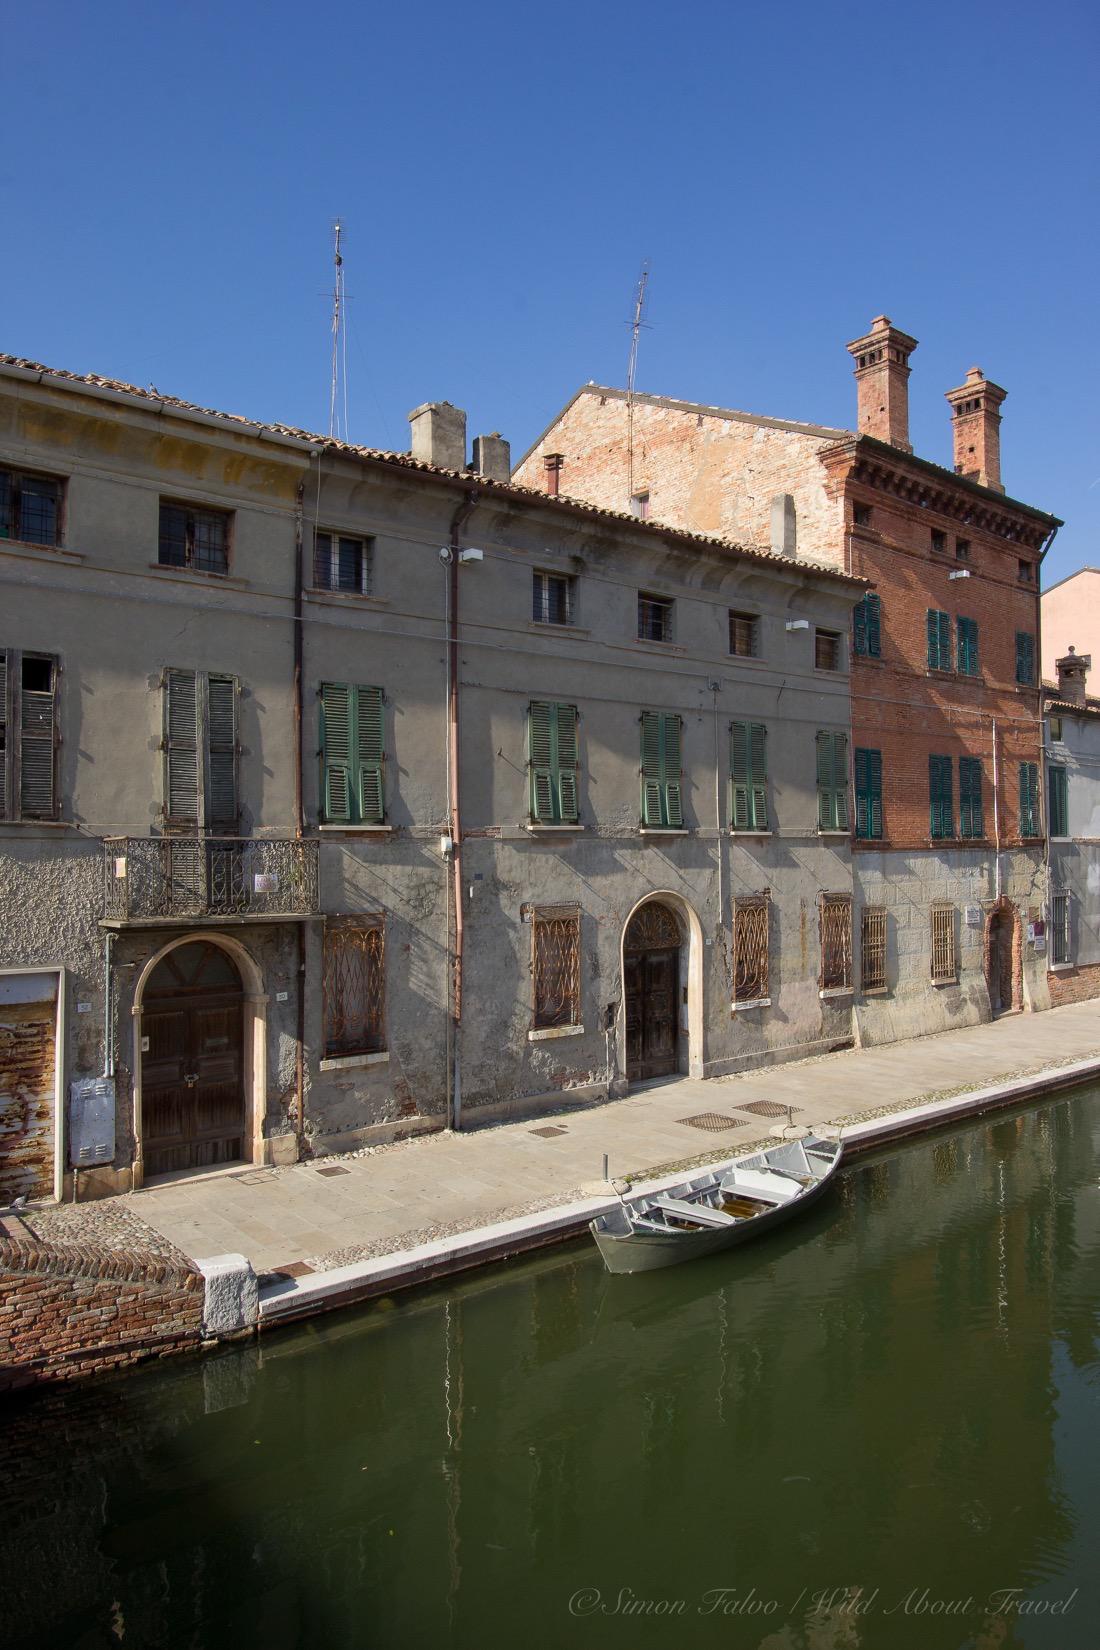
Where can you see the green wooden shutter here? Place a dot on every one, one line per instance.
(967, 634)
(565, 725)
(181, 750)
(832, 781)
(1057, 802)
(552, 754)
(868, 626)
(336, 752)
(859, 627)
(933, 627)
(5, 803)
(221, 754)
(672, 771)
(369, 714)
(868, 776)
(1029, 799)
(758, 776)
(37, 739)
(1025, 658)
(652, 769)
(970, 797)
(748, 803)
(941, 809)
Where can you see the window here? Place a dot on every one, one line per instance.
(1025, 571)
(1025, 658)
(867, 627)
(826, 650)
(556, 966)
(552, 598)
(939, 639)
(662, 791)
(861, 515)
(28, 736)
(939, 539)
(832, 781)
(654, 619)
(200, 752)
(552, 759)
(1029, 799)
(1054, 726)
(198, 539)
(872, 948)
(341, 563)
(970, 797)
(943, 945)
(1060, 951)
(30, 508)
(745, 634)
(639, 506)
(941, 806)
(748, 777)
(750, 948)
(967, 634)
(868, 766)
(836, 942)
(1057, 801)
(962, 549)
(354, 977)
(352, 758)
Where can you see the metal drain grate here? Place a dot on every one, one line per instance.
(768, 1108)
(713, 1121)
(293, 1269)
(546, 1134)
(334, 1169)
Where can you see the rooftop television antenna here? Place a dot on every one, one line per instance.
(632, 366)
(339, 388)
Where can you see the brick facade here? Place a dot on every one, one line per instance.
(1074, 985)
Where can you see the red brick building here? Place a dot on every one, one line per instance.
(945, 755)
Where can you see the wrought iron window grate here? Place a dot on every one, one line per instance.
(836, 942)
(556, 966)
(355, 987)
(750, 929)
(943, 944)
(872, 948)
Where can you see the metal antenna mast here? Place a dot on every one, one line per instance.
(632, 367)
(339, 387)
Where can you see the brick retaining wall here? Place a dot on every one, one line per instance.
(73, 1309)
(1075, 985)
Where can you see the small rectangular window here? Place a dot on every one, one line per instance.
(868, 767)
(639, 506)
(943, 945)
(556, 966)
(970, 797)
(1025, 571)
(938, 626)
(1057, 801)
(745, 634)
(654, 618)
(967, 634)
(342, 563)
(941, 805)
(867, 626)
(30, 508)
(872, 948)
(552, 762)
(939, 539)
(750, 948)
(662, 774)
(861, 515)
(836, 942)
(962, 549)
(1060, 948)
(1029, 799)
(194, 538)
(28, 736)
(827, 650)
(1055, 728)
(1025, 658)
(354, 986)
(832, 781)
(552, 598)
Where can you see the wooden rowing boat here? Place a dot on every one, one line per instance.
(719, 1208)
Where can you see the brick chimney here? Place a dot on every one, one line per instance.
(882, 382)
(492, 457)
(439, 435)
(552, 465)
(976, 426)
(1072, 671)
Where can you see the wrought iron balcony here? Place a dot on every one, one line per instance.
(176, 878)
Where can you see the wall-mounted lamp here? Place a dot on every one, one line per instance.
(798, 624)
(960, 573)
(470, 555)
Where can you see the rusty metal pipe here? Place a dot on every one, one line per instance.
(299, 815)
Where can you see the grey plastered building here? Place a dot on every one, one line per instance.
(1072, 759)
(349, 794)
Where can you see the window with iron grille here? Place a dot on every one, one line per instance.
(939, 639)
(967, 634)
(30, 508)
(194, 538)
(941, 802)
(552, 762)
(867, 627)
(1057, 801)
(354, 974)
(943, 945)
(750, 948)
(836, 942)
(872, 948)
(1060, 951)
(353, 788)
(1025, 658)
(556, 966)
(654, 618)
(200, 752)
(939, 539)
(342, 563)
(827, 650)
(28, 735)
(662, 772)
(552, 598)
(970, 797)
(1029, 799)
(962, 549)
(745, 634)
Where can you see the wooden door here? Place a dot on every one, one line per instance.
(192, 1089)
(652, 988)
(1000, 964)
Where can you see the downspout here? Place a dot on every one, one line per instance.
(1044, 755)
(715, 688)
(996, 814)
(299, 817)
(458, 521)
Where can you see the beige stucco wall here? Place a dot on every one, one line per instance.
(1070, 616)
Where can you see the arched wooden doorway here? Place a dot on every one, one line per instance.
(193, 1103)
(1001, 960)
(651, 981)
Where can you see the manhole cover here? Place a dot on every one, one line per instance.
(334, 1169)
(294, 1269)
(712, 1121)
(546, 1134)
(768, 1108)
(254, 1177)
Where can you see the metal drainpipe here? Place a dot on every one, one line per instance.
(299, 815)
(715, 688)
(1044, 756)
(458, 521)
(996, 813)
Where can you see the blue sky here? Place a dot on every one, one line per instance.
(169, 177)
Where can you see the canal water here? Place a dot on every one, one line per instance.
(878, 1428)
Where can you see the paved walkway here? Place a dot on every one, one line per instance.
(336, 1210)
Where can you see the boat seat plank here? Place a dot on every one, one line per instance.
(701, 1213)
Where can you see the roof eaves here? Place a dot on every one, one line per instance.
(885, 450)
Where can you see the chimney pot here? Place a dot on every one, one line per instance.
(976, 428)
(492, 457)
(1072, 671)
(882, 382)
(439, 435)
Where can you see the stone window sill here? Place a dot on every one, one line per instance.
(870, 842)
(357, 598)
(828, 992)
(170, 570)
(345, 1062)
(757, 1002)
(38, 824)
(741, 830)
(542, 627)
(876, 991)
(663, 830)
(834, 833)
(359, 830)
(867, 659)
(26, 547)
(548, 1032)
(540, 829)
(1060, 968)
(954, 980)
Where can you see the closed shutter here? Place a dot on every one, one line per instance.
(5, 802)
(868, 626)
(967, 631)
(552, 754)
(1058, 809)
(336, 751)
(1029, 799)
(941, 809)
(662, 790)
(181, 750)
(748, 777)
(939, 640)
(221, 754)
(566, 755)
(1025, 658)
(37, 738)
(970, 797)
(832, 781)
(673, 772)
(868, 767)
(368, 722)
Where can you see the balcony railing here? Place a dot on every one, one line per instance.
(148, 879)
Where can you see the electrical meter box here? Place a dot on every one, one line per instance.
(91, 1121)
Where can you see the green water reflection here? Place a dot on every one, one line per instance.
(865, 1432)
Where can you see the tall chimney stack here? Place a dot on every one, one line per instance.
(1072, 673)
(552, 464)
(976, 426)
(492, 457)
(882, 382)
(439, 435)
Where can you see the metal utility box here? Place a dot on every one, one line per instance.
(91, 1121)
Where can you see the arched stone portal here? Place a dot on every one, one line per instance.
(662, 974)
(1003, 958)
